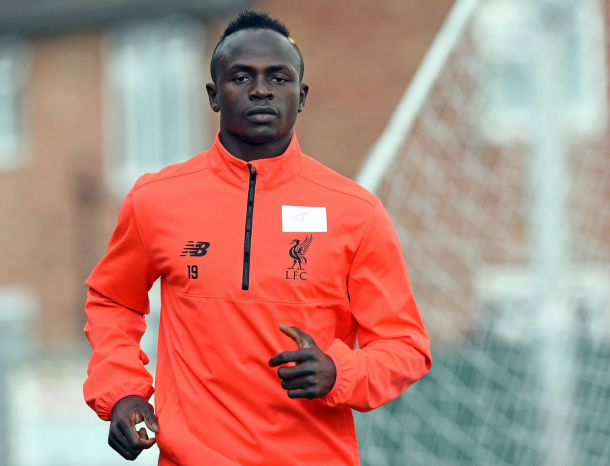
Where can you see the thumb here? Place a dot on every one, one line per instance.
(297, 335)
(151, 421)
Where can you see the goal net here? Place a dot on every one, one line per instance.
(495, 169)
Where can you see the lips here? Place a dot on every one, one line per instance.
(266, 109)
(262, 114)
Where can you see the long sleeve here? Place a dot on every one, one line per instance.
(117, 302)
(394, 347)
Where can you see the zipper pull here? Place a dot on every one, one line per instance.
(252, 169)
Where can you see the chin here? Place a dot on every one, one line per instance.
(260, 138)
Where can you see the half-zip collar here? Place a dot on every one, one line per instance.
(269, 172)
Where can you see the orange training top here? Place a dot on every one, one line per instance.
(241, 248)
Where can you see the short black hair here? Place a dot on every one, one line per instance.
(250, 19)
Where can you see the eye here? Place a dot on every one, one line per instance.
(241, 79)
(279, 79)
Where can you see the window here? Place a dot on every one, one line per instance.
(506, 303)
(155, 97)
(508, 307)
(540, 54)
(12, 83)
(19, 307)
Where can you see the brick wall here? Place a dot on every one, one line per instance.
(56, 210)
(359, 57)
(50, 227)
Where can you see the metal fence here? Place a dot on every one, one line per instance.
(496, 171)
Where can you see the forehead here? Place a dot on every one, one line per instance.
(257, 47)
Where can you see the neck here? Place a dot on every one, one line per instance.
(247, 152)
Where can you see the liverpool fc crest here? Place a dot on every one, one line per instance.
(297, 252)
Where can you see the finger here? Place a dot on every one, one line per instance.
(298, 382)
(291, 356)
(120, 449)
(302, 370)
(309, 393)
(151, 420)
(119, 439)
(297, 335)
(146, 441)
(129, 432)
(117, 442)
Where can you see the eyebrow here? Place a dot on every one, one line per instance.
(272, 68)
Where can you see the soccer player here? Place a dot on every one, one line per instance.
(272, 267)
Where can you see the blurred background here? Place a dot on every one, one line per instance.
(481, 124)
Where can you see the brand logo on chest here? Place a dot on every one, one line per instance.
(297, 253)
(193, 249)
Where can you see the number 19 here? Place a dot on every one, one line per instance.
(193, 271)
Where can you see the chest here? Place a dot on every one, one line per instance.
(232, 244)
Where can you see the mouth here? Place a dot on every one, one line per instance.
(262, 114)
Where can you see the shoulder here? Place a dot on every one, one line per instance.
(335, 184)
(172, 173)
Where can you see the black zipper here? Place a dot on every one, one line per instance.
(245, 281)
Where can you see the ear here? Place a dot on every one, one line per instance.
(213, 96)
(303, 96)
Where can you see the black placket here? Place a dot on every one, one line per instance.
(245, 282)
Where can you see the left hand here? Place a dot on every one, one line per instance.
(314, 374)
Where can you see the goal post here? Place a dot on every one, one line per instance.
(386, 148)
(495, 168)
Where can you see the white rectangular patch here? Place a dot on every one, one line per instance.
(303, 219)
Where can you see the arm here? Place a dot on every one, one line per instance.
(118, 385)
(116, 368)
(394, 347)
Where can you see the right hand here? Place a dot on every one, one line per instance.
(123, 437)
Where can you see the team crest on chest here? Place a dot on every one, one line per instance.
(298, 250)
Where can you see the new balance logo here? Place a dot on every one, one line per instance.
(193, 249)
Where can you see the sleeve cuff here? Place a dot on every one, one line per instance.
(345, 363)
(104, 411)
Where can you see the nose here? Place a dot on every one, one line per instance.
(260, 90)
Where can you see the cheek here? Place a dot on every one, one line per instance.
(226, 99)
(230, 98)
(292, 105)
(229, 107)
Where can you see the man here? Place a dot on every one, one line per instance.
(247, 237)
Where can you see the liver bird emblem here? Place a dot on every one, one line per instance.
(298, 250)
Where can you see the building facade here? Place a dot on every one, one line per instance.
(93, 94)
